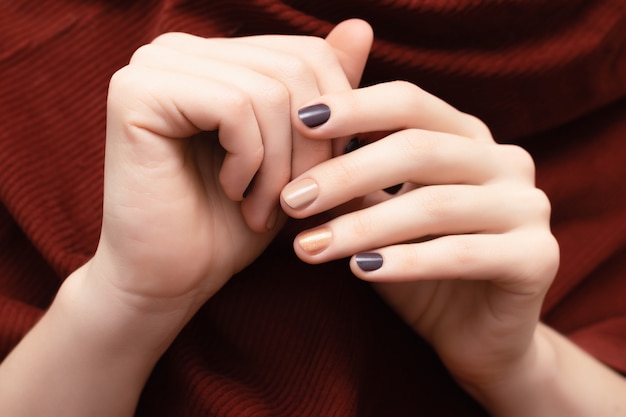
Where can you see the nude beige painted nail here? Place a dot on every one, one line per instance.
(300, 194)
(315, 240)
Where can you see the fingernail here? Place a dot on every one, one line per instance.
(369, 261)
(314, 115)
(300, 194)
(316, 240)
(272, 219)
(352, 145)
(394, 189)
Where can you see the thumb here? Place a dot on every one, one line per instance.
(352, 40)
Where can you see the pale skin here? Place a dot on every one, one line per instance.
(467, 253)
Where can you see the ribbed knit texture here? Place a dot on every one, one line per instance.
(282, 338)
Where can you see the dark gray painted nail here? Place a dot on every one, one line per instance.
(369, 261)
(314, 115)
(352, 145)
(393, 189)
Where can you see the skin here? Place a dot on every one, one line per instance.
(175, 224)
(455, 242)
(467, 251)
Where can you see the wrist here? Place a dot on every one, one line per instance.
(512, 391)
(554, 378)
(90, 344)
(112, 320)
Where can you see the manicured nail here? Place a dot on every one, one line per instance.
(272, 219)
(352, 145)
(393, 189)
(314, 115)
(316, 240)
(369, 261)
(300, 194)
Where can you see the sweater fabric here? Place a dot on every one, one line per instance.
(283, 338)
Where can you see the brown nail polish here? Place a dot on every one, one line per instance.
(316, 240)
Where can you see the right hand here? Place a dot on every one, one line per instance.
(175, 225)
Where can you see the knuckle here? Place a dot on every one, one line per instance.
(292, 68)
(411, 95)
(541, 203)
(124, 81)
(416, 145)
(403, 86)
(168, 38)
(552, 255)
(144, 53)
(318, 47)
(519, 160)
(437, 203)
(342, 172)
(544, 253)
(361, 225)
(236, 101)
(275, 94)
(463, 253)
(532, 203)
(479, 129)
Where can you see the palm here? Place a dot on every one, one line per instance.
(172, 222)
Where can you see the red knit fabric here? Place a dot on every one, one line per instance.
(282, 338)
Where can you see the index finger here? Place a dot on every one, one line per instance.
(391, 106)
(413, 155)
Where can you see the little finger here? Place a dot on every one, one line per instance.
(522, 262)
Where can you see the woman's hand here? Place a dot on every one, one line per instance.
(184, 209)
(463, 252)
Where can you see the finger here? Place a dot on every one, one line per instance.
(296, 73)
(423, 213)
(416, 156)
(499, 258)
(352, 41)
(337, 62)
(391, 106)
(165, 107)
(270, 102)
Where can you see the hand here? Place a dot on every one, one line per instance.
(176, 224)
(463, 252)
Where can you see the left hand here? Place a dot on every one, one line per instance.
(464, 252)
(178, 221)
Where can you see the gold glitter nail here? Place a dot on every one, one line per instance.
(316, 240)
